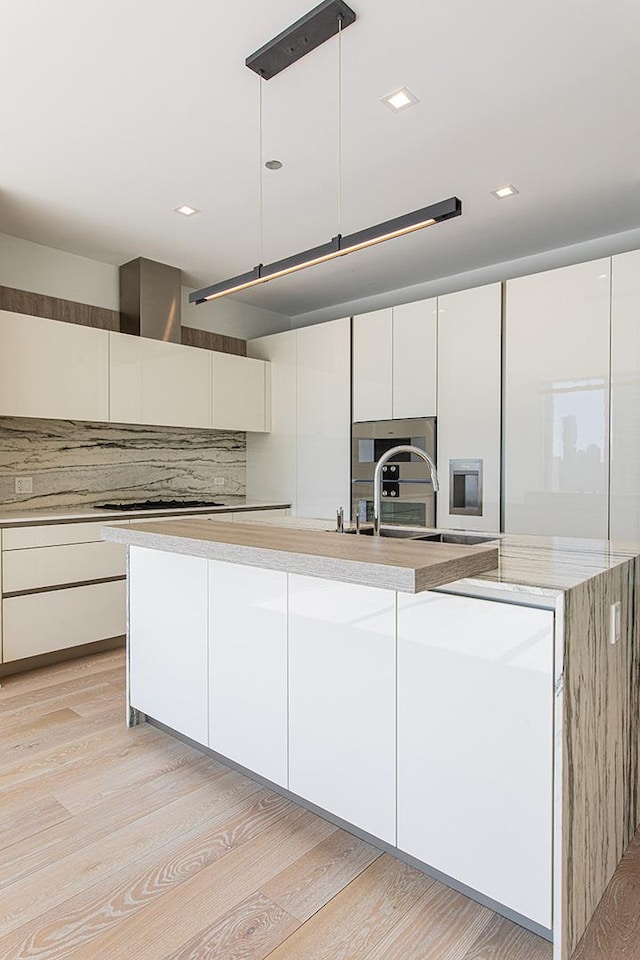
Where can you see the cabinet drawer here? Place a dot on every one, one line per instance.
(43, 622)
(52, 534)
(71, 563)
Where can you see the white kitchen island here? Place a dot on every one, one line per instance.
(467, 713)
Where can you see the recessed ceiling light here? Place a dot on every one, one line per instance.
(186, 210)
(273, 164)
(399, 100)
(507, 191)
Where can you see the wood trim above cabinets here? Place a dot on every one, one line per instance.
(54, 308)
(218, 342)
(87, 315)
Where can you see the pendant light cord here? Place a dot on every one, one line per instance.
(260, 198)
(339, 197)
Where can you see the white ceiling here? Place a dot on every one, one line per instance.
(112, 113)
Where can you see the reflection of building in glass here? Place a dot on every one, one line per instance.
(579, 415)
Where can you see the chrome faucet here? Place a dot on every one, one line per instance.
(377, 488)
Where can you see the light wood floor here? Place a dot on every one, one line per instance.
(128, 845)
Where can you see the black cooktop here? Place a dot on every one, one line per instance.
(158, 505)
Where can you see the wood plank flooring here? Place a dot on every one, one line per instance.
(129, 844)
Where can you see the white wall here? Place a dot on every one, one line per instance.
(230, 317)
(54, 273)
(492, 273)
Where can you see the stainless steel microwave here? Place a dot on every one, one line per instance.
(407, 493)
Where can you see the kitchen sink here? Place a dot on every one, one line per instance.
(466, 539)
(404, 533)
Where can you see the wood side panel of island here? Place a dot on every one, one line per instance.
(599, 811)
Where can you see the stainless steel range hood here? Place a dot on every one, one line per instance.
(150, 296)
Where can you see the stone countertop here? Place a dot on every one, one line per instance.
(404, 565)
(83, 514)
(529, 566)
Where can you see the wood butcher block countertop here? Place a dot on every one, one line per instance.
(404, 565)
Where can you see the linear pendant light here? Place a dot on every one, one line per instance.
(337, 247)
(323, 22)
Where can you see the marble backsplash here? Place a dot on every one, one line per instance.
(75, 463)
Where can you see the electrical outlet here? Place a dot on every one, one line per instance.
(615, 611)
(218, 481)
(24, 485)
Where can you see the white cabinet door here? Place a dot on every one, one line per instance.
(272, 457)
(39, 623)
(475, 745)
(168, 639)
(373, 365)
(239, 388)
(53, 370)
(154, 382)
(324, 427)
(625, 397)
(342, 701)
(414, 359)
(557, 402)
(248, 667)
(69, 563)
(469, 375)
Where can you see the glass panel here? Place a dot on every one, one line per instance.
(408, 514)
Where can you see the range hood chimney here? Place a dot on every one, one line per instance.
(150, 295)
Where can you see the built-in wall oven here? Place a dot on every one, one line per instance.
(407, 493)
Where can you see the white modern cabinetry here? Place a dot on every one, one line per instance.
(239, 391)
(342, 701)
(475, 745)
(414, 359)
(41, 613)
(272, 457)
(324, 427)
(52, 370)
(41, 567)
(625, 397)
(394, 362)
(556, 413)
(168, 630)
(373, 365)
(469, 376)
(154, 382)
(248, 667)
(38, 623)
(305, 458)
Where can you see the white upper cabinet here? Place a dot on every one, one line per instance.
(52, 370)
(154, 382)
(324, 428)
(239, 393)
(414, 359)
(373, 365)
(556, 412)
(394, 362)
(469, 375)
(272, 458)
(625, 397)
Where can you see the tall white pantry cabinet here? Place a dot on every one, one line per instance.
(625, 397)
(305, 459)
